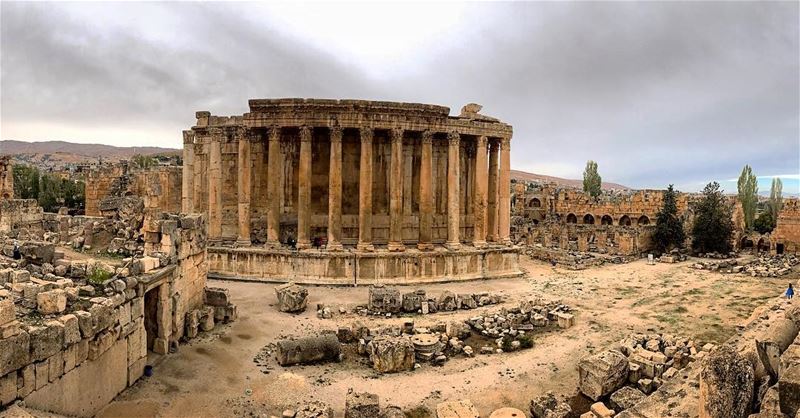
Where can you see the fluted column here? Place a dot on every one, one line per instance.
(274, 162)
(304, 190)
(491, 204)
(244, 170)
(187, 173)
(335, 191)
(505, 191)
(481, 186)
(365, 191)
(215, 189)
(453, 187)
(396, 192)
(425, 192)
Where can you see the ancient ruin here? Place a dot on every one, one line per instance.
(6, 178)
(380, 180)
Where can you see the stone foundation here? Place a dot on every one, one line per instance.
(362, 268)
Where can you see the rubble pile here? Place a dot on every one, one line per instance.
(624, 375)
(763, 266)
(388, 300)
(572, 260)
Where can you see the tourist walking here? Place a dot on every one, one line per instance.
(790, 292)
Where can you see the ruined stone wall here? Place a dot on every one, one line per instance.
(6, 177)
(159, 187)
(606, 239)
(786, 236)
(98, 185)
(20, 213)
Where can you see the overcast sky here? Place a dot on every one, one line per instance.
(656, 93)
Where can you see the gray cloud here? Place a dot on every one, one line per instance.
(656, 92)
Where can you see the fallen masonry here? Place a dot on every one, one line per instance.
(291, 298)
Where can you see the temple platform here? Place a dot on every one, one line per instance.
(352, 267)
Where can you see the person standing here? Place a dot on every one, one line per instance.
(790, 292)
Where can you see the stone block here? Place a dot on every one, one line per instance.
(391, 354)
(28, 377)
(361, 405)
(8, 311)
(136, 370)
(602, 374)
(789, 390)
(565, 320)
(137, 345)
(600, 410)
(51, 302)
(55, 366)
(457, 409)
(625, 398)
(46, 340)
(216, 296)
(137, 308)
(323, 348)
(72, 331)
(14, 352)
(8, 388)
(101, 344)
(384, 299)
(42, 370)
(727, 380)
(85, 324)
(207, 319)
(160, 346)
(19, 276)
(147, 263)
(123, 313)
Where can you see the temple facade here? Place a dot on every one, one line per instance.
(363, 176)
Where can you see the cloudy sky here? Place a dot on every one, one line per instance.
(656, 92)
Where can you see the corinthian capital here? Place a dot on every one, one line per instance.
(427, 137)
(305, 133)
(336, 134)
(453, 138)
(397, 134)
(367, 133)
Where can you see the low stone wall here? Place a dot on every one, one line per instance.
(20, 213)
(362, 268)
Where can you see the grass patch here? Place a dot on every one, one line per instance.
(98, 276)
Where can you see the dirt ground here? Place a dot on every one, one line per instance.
(216, 376)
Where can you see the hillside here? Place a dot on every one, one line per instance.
(521, 175)
(56, 154)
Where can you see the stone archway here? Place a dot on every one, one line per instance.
(606, 220)
(643, 220)
(763, 245)
(535, 203)
(572, 219)
(588, 219)
(625, 220)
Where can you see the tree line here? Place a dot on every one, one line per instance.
(50, 190)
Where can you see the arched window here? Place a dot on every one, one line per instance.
(625, 220)
(643, 220)
(535, 203)
(572, 219)
(606, 220)
(588, 219)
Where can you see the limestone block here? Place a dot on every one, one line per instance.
(207, 319)
(626, 397)
(51, 302)
(466, 301)
(216, 296)
(412, 301)
(137, 345)
(101, 343)
(291, 297)
(19, 276)
(8, 388)
(447, 301)
(160, 346)
(602, 374)
(14, 352)
(72, 332)
(309, 350)
(384, 299)
(123, 313)
(28, 376)
(137, 308)
(727, 383)
(192, 323)
(147, 264)
(457, 409)
(600, 410)
(789, 390)
(55, 366)
(314, 409)
(46, 340)
(42, 369)
(136, 370)
(7, 311)
(85, 324)
(458, 329)
(361, 405)
(391, 354)
(565, 320)
(539, 406)
(102, 315)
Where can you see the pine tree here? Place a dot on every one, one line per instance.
(592, 182)
(748, 190)
(713, 226)
(669, 228)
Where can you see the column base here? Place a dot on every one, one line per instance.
(479, 244)
(272, 245)
(365, 246)
(334, 246)
(303, 244)
(243, 243)
(425, 246)
(507, 242)
(396, 246)
(453, 246)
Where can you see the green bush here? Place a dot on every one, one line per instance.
(525, 341)
(98, 275)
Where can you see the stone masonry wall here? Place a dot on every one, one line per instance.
(20, 213)
(6, 178)
(787, 230)
(98, 186)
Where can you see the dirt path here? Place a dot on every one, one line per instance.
(216, 375)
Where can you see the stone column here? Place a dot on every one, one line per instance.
(304, 190)
(505, 191)
(187, 174)
(491, 205)
(365, 191)
(453, 186)
(335, 192)
(243, 165)
(215, 188)
(274, 162)
(425, 192)
(481, 186)
(396, 192)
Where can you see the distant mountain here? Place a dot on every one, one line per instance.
(56, 154)
(521, 175)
